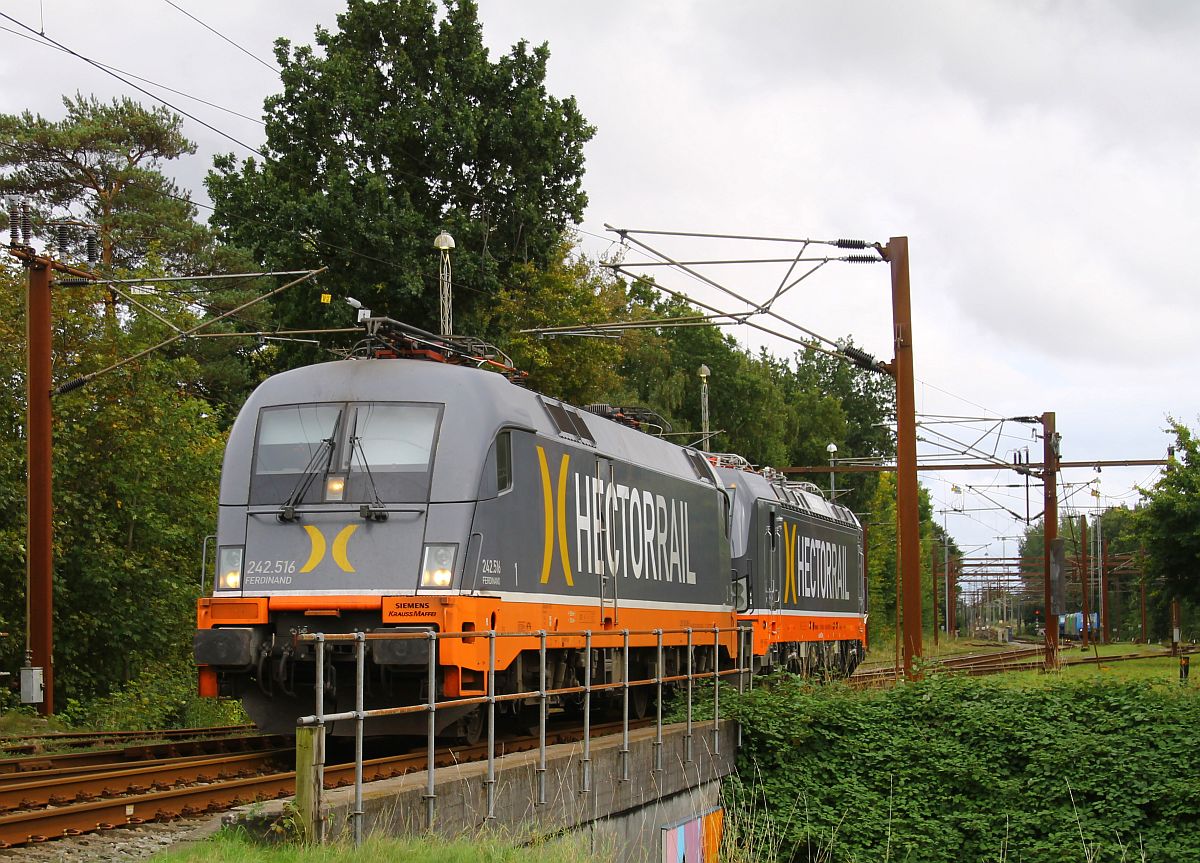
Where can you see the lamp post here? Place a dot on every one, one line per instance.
(704, 373)
(832, 450)
(443, 242)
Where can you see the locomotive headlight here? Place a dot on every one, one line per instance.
(229, 567)
(335, 488)
(437, 566)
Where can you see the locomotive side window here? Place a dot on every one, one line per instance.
(504, 472)
(289, 437)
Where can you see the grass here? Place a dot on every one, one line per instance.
(231, 846)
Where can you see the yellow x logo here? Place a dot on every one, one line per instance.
(549, 517)
(317, 553)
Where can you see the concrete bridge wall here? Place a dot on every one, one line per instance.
(622, 816)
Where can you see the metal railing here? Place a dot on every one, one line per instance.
(695, 640)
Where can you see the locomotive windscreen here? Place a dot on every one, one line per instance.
(353, 452)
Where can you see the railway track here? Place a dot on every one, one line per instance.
(226, 744)
(12, 745)
(978, 664)
(41, 805)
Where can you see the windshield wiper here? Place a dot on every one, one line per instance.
(287, 510)
(376, 510)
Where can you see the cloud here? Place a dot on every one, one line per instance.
(1040, 157)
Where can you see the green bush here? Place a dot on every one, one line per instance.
(162, 695)
(960, 769)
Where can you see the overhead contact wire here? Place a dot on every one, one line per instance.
(140, 89)
(221, 35)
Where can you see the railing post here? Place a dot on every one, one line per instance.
(624, 751)
(687, 738)
(320, 738)
(542, 704)
(742, 676)
(430, 729)
(716, 690)
(490, 782)
(586, 762)
(360, 655)
(658, 679)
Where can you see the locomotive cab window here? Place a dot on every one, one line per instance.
(344, 453)
(504, 472)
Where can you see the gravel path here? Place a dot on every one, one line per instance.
(124, 843)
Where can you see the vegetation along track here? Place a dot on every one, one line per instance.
(63, 801)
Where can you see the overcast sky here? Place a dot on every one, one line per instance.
(1041, 158)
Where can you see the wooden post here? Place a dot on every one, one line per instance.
(40, 500)
(908, 534)
(310, 746)
(1050, 532)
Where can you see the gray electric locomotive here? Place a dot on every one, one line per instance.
(799, 572)
(402, 494)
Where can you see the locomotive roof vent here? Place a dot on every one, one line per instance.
(634, 416)
(568, 420)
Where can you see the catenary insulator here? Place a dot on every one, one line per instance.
(852, 244)
(26, 224)
(71, 385)
(63, 235)
(860, 357)
(863, 259)
(93, 248)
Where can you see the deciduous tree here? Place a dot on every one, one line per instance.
(395, 127)
(137, 460)
(1168, 525)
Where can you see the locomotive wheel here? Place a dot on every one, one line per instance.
(525, 719)
(639, 702)
(469, 729)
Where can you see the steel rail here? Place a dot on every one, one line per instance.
(141, 753)
(9, 743)
(46, 824)
(77, 784)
